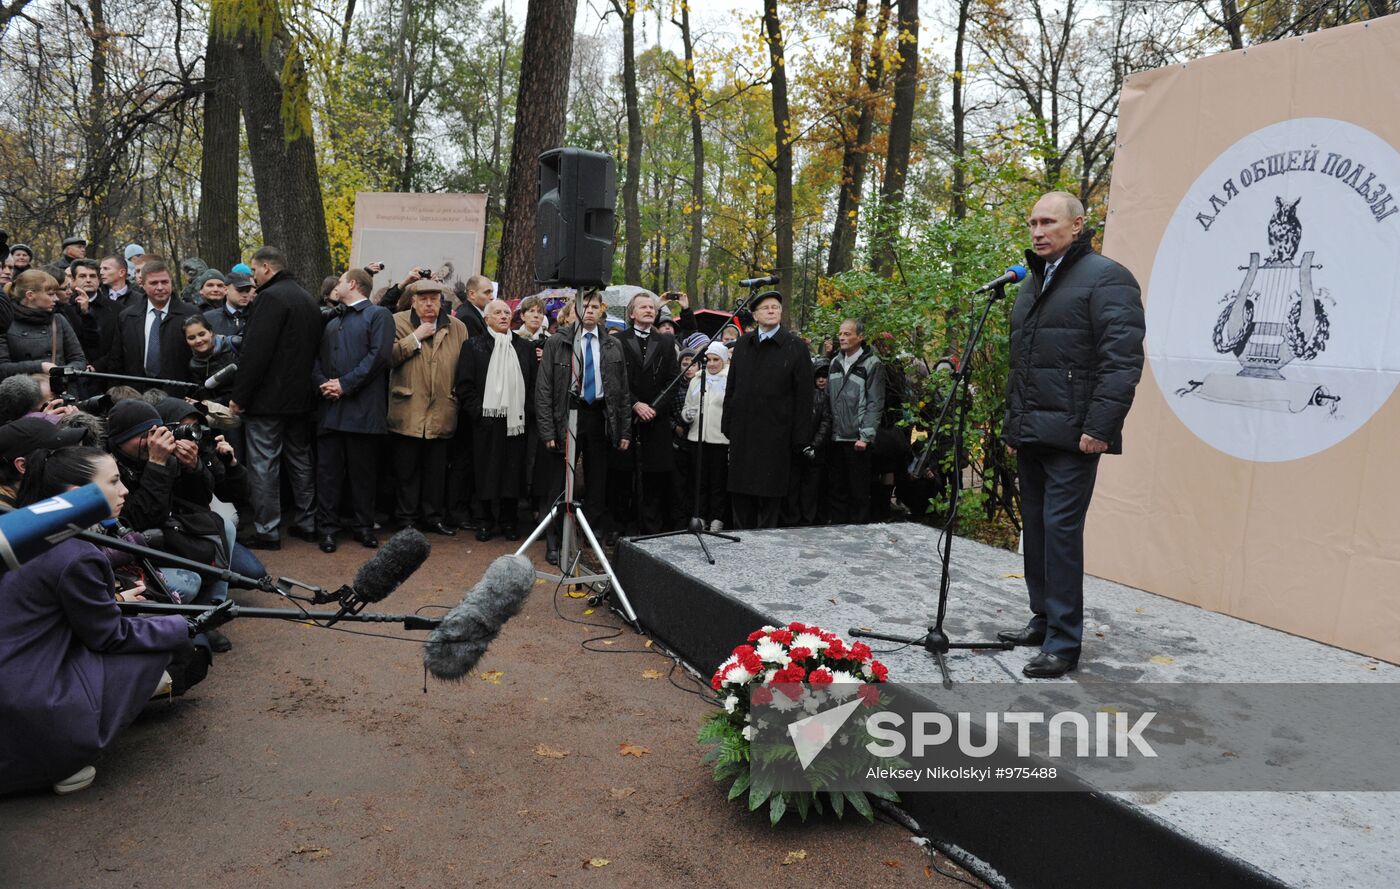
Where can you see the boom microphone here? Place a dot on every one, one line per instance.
(34, 529)
(395, 562)
(1014, 275)
(458, 643)
(221, 376)
(760, 282)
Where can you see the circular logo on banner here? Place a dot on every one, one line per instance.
(1272, 322)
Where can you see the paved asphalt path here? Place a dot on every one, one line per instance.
(314, 758)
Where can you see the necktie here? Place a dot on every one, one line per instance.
(238, 320)
(1049, 273)
(590, 378)
(153, 347)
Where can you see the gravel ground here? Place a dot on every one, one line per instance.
(311, 757)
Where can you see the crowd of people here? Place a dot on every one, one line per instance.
(422, 403)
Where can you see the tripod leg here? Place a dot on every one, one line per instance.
(607, 568)
(943, 668)
(539, 530)
(700, 539)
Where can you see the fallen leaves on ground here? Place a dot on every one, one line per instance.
(550, 752)
(587, 611)
(1165, 660)
(314, 853)
(597, 862)
(491, 676)
(652, 674)
(621, 792)
(625, 749)
(648, 645)
(794, 857)
(892, 862)
(1014, 576)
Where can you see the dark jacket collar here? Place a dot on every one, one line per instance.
(1082, 246)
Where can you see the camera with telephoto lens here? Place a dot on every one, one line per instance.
(97, 404)
(199, 434)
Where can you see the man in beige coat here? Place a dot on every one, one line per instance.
(422, 405)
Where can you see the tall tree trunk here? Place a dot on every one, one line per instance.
(99, 223)
(697, 167)
(853, 164)
(843, 233)
(906, 94)
(782, 167)
(960, 113)
(1232, 22)
(631, 211)
(540, 104)
(217, 225)
(277, 118)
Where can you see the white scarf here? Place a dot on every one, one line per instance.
(504, 392)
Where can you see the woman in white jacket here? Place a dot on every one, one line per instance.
(714, 447)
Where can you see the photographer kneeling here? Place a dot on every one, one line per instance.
(171, 484)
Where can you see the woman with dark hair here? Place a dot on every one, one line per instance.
(74, 671)
(38, 338)
(209, 353)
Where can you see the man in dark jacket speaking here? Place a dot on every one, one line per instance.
(1076, 357)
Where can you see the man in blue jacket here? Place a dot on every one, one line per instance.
(1076, 357)
(352, 379)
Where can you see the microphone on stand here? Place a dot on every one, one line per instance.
(395, 562)
(760, 282)
(461, 639)
(221, 376)
(1014, 275)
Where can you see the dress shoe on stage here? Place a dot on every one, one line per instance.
(484, 533)
(1048, 666)
(1028, 636)
(441, 528)
(510, 532)
(218, 642)
(366, 539)
(327, 543)
(552, 556)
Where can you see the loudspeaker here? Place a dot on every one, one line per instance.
(574, 218)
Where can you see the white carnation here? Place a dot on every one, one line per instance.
(782, 703)
(773, 652)
(810, 641)
(748, 733)
(731, 703)
(737, 676)
(843, 684)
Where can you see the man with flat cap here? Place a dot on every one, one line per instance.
(73, 248)
(767, 413)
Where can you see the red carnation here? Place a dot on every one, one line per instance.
(790, 673)
(836, 649)
(716, 681)
(860, 651)
(760, 696)
(792, 689)
(820, 676)
(756, 635)
(797, 627)
(752, 663)
(800, 654)
(743, 650)
(869, 694)
(782, 636)
(879, 671)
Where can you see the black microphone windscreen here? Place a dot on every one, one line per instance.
(396, 560)
(458, 643)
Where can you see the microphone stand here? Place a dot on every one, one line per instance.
(696, 526)
(935, 640)
(58, 380)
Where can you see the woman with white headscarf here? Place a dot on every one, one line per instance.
(495, 388)
(714, 447)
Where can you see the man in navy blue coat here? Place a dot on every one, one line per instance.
(352, 378)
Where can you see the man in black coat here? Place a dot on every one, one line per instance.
(1076, 357)
(472, 311)
(149, 338)
(652, 366)
(114, 295)
(352, 378)
(274, 393)
(475, 293)
(767, 414)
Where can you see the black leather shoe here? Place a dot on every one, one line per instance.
(258, 541)
(510, 532)
(1048, 666)
(327, 543)
(1028, 636)
(443, 529)
(308, 536)
(552, 556)
(218, 641)
(484, 533)
(366, 539)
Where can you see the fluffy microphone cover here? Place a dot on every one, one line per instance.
(395, 562)
(454, 647)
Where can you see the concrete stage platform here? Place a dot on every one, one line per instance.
(885, 576)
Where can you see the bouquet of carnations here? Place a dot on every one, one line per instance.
(796, 667)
